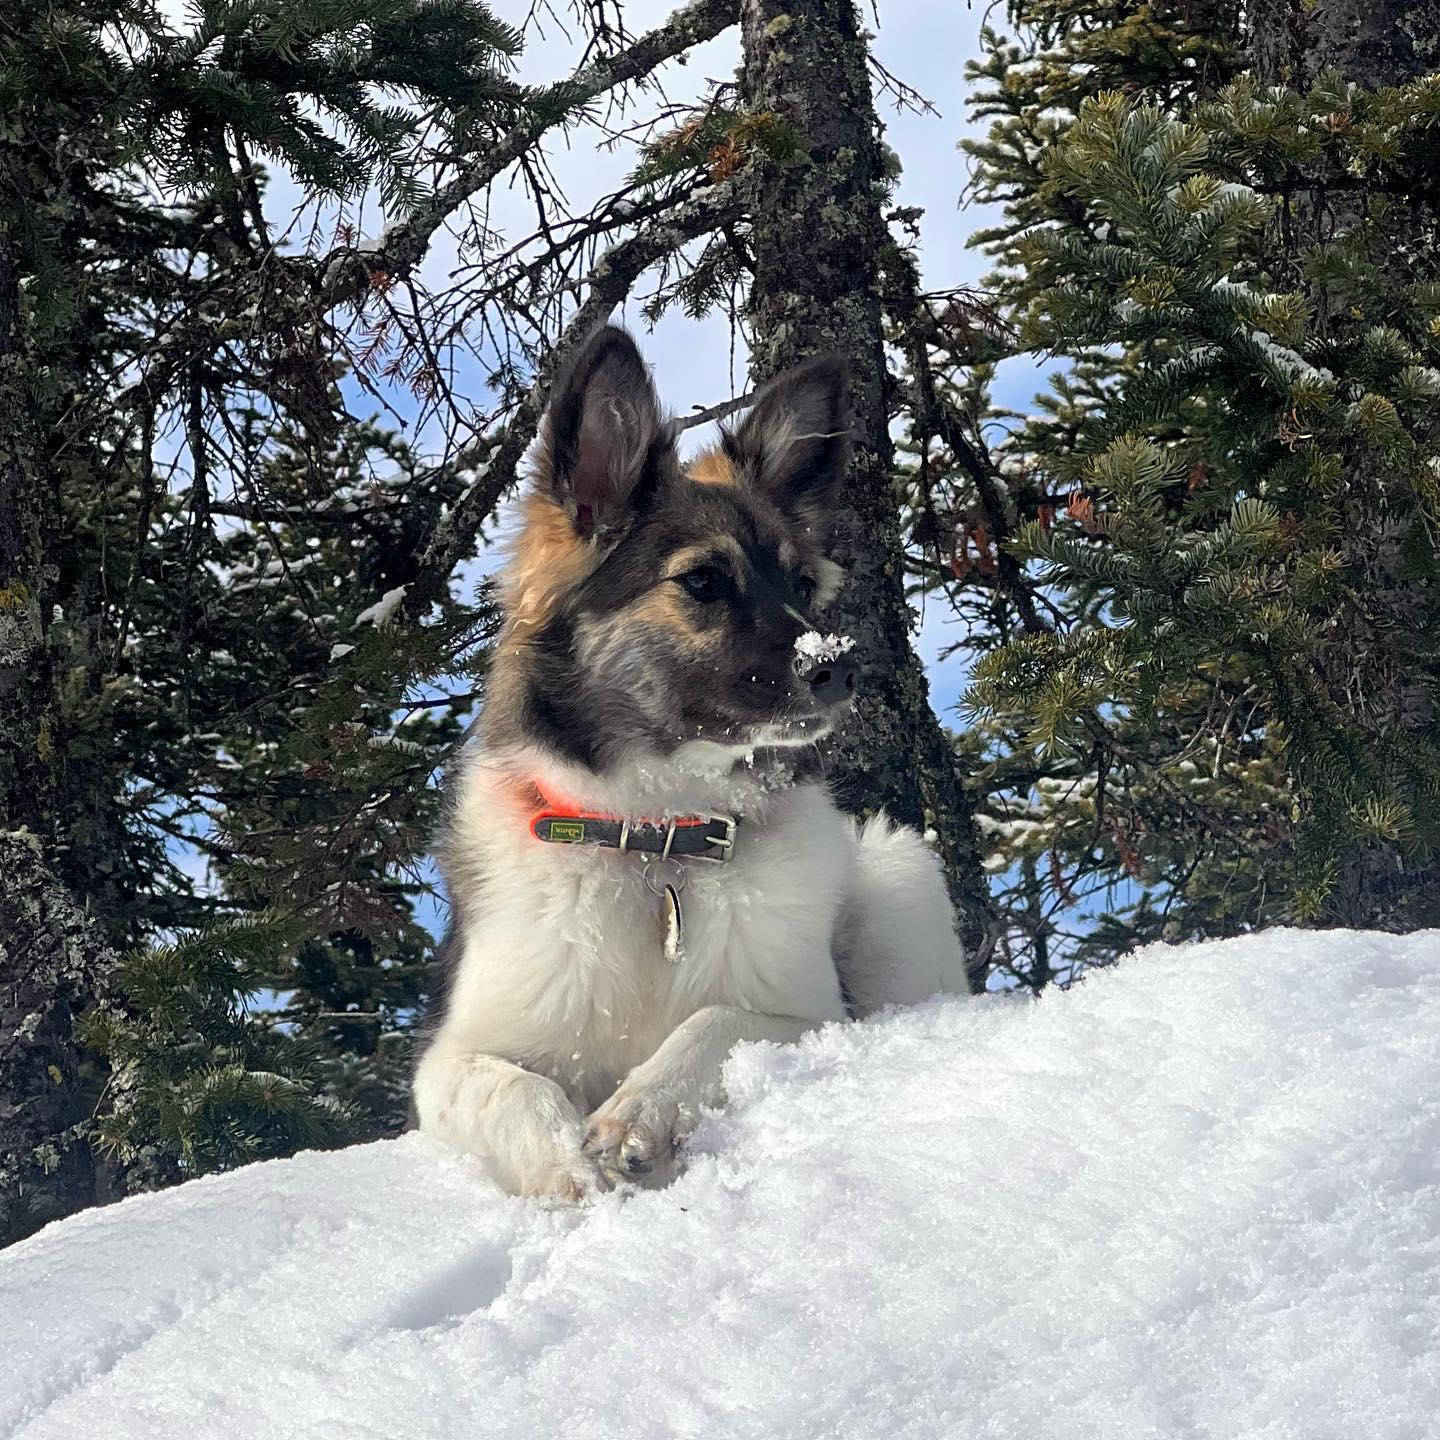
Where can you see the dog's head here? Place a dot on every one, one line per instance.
(651, 606)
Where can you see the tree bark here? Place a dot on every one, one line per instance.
(29, 523)
(54, 964)
(819, 236)
(1372, 42)
(53, 961)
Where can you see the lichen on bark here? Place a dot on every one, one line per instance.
(817, 286)
(54, 965)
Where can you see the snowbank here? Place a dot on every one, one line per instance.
(1198, 1196)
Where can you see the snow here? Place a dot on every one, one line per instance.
(1196, 1196)
(812, 645)
(382, 612)
(1232, 290)
(1294, 366)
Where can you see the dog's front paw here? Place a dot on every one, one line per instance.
(534, 1143)
(635, 1132)
(565, 1185)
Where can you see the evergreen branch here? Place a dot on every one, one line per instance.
(1107, 742)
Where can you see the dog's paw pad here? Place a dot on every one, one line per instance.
(638, 1151)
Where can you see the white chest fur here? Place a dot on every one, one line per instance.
(560, 962)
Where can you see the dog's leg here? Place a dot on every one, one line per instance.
(522, 1124)
(659, 1101)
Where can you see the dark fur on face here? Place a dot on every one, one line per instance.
(648, 606)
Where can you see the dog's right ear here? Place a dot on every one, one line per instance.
(604, 446)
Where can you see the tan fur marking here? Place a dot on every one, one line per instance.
(661, 609)
(828, 577)
(548, 560)
(712, 467)
(689, 556)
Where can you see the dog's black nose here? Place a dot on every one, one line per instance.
(831, 680)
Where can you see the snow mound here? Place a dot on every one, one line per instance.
(1199, 1195)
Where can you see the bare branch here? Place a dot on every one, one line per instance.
(715, 412)
(937, 416)
(498, 456)
(403, 246)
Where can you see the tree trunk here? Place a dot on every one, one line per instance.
(52, 959)
(819, 235)
(53, 966)
(1372, 43)
(29, 522)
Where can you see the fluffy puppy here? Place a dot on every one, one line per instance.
(644, 864)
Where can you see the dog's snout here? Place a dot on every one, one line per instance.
(831, 681)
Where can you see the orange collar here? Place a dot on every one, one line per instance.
(701, 837)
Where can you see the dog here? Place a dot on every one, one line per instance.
(644, 864)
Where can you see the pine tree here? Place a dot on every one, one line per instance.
(302, 767)
(122, 320)
(820, 246)
(1229, 496)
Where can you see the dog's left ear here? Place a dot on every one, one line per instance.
(605, 446)
(795, 442)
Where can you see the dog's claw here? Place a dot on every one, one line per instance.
(632, 1135)
(637, 1153)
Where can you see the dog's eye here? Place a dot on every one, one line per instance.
(705, 584)
(806, 586)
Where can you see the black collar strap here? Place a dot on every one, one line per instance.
(699, 837)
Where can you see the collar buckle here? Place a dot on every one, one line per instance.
(724, 843)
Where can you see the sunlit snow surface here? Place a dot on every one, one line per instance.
(1197, 1196)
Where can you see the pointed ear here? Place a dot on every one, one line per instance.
(795, 442)
(604, 446)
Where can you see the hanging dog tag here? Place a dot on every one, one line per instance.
(674, 927)
(666, 878)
